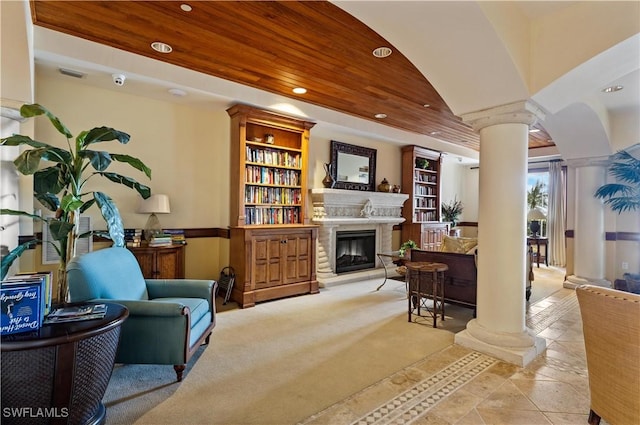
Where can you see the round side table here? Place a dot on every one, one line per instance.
(59, 373)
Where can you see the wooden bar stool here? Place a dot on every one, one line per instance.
(425, 281)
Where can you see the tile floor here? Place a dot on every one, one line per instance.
(460, 386)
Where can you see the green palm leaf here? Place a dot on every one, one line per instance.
(143, 190)
(8, 259)
(35, 109)
(111, 215)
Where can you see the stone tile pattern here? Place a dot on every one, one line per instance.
(458, 386)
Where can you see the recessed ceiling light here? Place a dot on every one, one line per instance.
(299, 90)
(534, 130)
(426, 105)
(380, 116)
(382, 52)
(178, 92)
(612, 89)
(186, 7)
(434, 133)
(161, 47)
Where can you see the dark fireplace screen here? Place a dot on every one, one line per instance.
(355, 250)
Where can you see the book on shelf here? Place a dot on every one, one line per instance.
(76, 313)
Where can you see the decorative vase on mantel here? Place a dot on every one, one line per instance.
(384, 186)
(328, 180)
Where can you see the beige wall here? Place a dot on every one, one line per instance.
(188, 151)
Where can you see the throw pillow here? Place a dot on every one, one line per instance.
(458, 245)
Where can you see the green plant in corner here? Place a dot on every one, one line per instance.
(406, 246)
(451, 211)
(623, 195)
(59, 187)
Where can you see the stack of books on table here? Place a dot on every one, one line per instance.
(133, 237)
(162, 239)
(177, 236)
(76, 313)
(25, 299)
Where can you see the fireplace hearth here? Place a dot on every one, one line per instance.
(355, 250)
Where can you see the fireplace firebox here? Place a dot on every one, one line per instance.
(355, 250)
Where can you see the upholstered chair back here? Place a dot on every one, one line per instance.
(110, 273)
(611, 325)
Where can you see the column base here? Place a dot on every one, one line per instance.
(573, 281)
(518, 349)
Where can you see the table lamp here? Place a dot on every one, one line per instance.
(154, 204)
(534, 216)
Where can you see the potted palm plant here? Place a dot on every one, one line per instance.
(451, 211)
(60, 187)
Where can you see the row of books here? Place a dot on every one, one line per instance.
(264, 175)
(272, 195)
(268, 215)
(25, 299)
(272, 157)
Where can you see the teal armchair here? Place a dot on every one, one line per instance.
(168, 318)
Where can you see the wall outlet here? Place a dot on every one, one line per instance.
(625, 265)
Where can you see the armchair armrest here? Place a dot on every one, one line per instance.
(183, 288)
(149, 308)
(180, 288)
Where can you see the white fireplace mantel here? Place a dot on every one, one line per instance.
(339, 209)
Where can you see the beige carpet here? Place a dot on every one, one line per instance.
(282, 361)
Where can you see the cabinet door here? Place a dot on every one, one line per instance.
(297, 256)
(147, 261)
(167, 264)
(267, 262)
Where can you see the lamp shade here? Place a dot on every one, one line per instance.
(155, 204)
(536, 214)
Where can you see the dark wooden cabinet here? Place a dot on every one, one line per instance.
(276, 262)
(160, 262)
(421, 181)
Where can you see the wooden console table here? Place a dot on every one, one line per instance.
(62, 370)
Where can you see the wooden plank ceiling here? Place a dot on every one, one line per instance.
(274, 46)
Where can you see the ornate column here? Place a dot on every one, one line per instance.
(500, 328)
(589, 235)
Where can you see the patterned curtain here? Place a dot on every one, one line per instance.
(557, 220)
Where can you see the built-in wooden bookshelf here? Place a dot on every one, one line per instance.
(272, 245)
(268, 178)
(421, 181)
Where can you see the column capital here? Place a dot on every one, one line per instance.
(520, 112)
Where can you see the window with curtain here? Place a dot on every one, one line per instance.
(537, 200)
(546, 191)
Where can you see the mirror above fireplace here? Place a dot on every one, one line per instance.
(353, 167)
